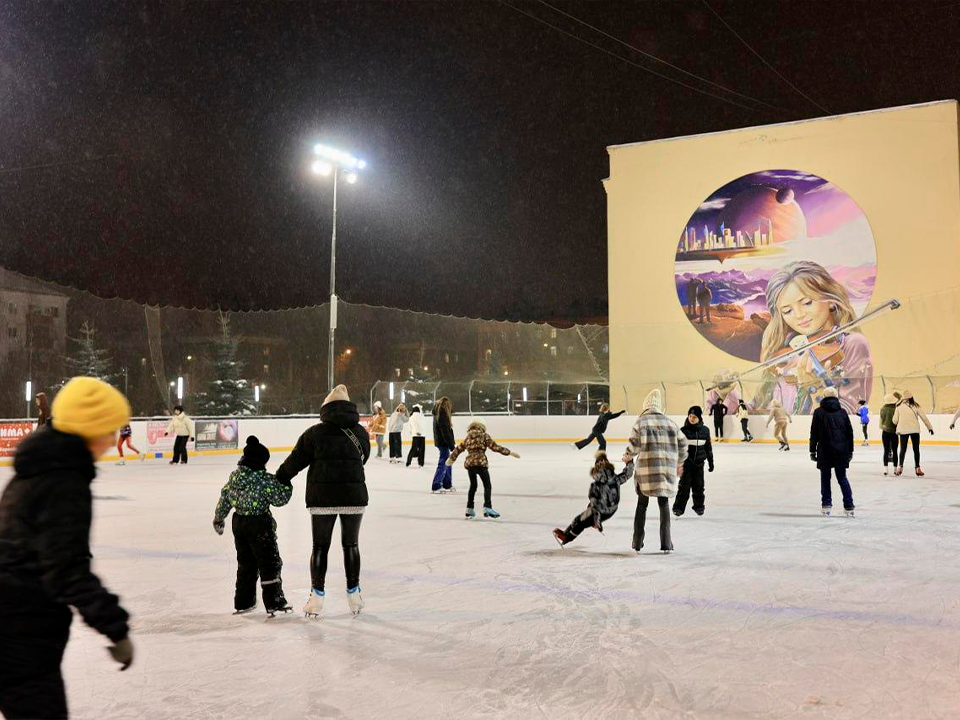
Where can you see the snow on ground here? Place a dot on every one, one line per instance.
(765, 610)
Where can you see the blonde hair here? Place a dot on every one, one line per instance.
(813, 279)
(604, 407)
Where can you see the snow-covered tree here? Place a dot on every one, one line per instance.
(88, 359)
(228, 393)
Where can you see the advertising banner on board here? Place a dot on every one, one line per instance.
(11, 433)
(217, 434)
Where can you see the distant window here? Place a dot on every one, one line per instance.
(446, 358)
(12, 308)
(266, 369)
(54, 311)
(553, 332)
(570, 350)
(266, 351)
(11, 332)
(553, 350)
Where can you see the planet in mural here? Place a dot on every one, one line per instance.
(769, 261)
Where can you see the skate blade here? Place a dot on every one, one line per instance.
(311, 616)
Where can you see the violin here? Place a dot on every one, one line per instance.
(822, 351)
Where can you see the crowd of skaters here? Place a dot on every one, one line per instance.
(46, 510)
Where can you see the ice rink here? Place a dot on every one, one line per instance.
(765, 609)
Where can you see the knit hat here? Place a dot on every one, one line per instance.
(906, 395)
(653, 401)
(89, 408)
(377, 405)
(337, 394)
(696, 410)
(889, 399)
(255, 455)
(830, 392)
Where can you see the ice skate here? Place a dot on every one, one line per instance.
(885, 470)
(244, 611)
(786, 448)
(899, 471)
(825, 511)
(471, 513)
(490, 513)
(666, 551)
(121, 461)
(354, 600)
(698, 512)
(919, 472)
(314, 605)
(848, 513)
(143, 456)
(560, 536)
(782, 446)
(677, 513)
(272, 612)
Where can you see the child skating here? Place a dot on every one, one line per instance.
(831, 448)
(888, 431)
(604, 498)
(907, 417)
(599, 428)
(743, 415)
(864, 414)
(125, 434)
(699, 451)
(250, 492)
(476, 443)
(780, 419)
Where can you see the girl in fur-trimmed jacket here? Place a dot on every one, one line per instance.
(604, 498)
(476, 444)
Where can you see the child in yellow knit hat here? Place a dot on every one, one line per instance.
(45, 515)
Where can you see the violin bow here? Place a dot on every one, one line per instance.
(886, 307)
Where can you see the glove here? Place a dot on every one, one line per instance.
(931, 432)
(710, 467)
(813, 456)
(191, 439)
(218, 526)
(448, 463)
(122, 652)
(166, 434)
(951, 426)
(514, 454)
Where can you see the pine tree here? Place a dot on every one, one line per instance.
(89, 360)
(227, 393)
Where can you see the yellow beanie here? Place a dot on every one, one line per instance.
(89, 408)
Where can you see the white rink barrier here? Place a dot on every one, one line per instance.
(281, 433)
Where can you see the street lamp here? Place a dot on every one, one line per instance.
(332, 161)
(29, 395)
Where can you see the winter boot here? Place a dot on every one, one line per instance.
(354, 600)
(314, 604)
(471, 513)
(825, 511)
(490, 513)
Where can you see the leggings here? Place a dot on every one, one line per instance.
(380, 444)
(889, 448)
(484, 475)
(640, 519)
(746, 430)
(915, 439)
(126, 440)
(349, 538)
(865, 426)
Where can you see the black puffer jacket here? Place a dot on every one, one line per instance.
(45, 515)
(336, 477)
(831, 435)
(600, 426)
(699, 447)
(443, 431)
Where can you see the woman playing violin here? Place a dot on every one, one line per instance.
(805, 302)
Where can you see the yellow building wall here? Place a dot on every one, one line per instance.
(902, 166)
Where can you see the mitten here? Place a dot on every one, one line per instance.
(710, 467)
(218, 526)
(813, 456)
(514, 454)
(191, 439)
(122, 652)
(449, 463)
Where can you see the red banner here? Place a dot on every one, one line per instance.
(11, 433)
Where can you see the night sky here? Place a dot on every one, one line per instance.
(159, 152)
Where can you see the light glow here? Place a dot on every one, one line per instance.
(321, 168)
(29, 391)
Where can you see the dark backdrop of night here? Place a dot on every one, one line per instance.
(159, 151)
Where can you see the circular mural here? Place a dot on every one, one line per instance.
(772, 260)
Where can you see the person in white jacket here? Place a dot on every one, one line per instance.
(398, 419)
(181, 425)
(907, 417)
(419, 447)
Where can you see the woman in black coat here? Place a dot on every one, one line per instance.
(445, 442)
(831, 447)
(335, 450)
(599, 428)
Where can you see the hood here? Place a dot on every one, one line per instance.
(476, 427)
(831, 405)
(341, 413)
(47, 450)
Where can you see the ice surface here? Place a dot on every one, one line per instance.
(765, 610)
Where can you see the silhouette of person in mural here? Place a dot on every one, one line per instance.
(704, 296)
(693, 285)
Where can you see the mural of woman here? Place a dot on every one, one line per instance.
(804, 302)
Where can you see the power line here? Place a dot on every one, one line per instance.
(655, 58)
(750, 48)
(627, 60)
(44, 166)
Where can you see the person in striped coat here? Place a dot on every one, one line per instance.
(659, 450)
(699, 450)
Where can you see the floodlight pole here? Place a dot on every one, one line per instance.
(333, 282)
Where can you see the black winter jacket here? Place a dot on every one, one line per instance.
(718, 410)
(45, 515)
(699, 447)
(335, 477)
(831, 435)
(443, 431)
(601, 425)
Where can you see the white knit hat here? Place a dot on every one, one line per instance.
(653, 401)
(338, 393)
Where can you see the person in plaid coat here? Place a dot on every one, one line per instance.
(659, 450)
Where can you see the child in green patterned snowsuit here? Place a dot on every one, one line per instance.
(250, 492)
